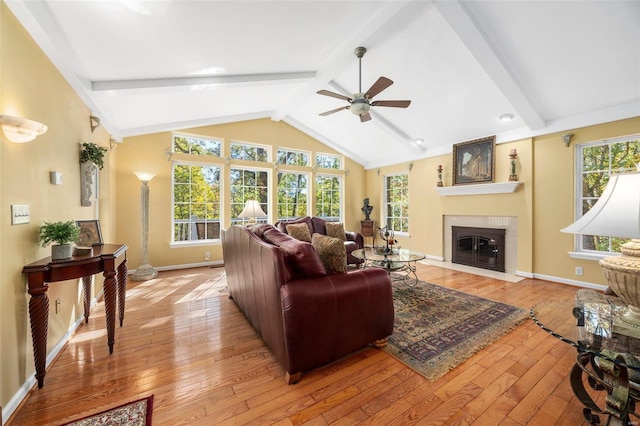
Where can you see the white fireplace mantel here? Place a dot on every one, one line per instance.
(478, 189)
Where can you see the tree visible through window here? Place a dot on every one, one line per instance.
(292, 195)
(196, 145)
(328, 161)
(196, 202)
(245, 151)
(597, 162)
(397, 202)
(328, 197)
(297, 158)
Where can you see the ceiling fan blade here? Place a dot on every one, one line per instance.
(378, 86)
(334, 95)
(394, 104)
(365, 117)
(334, 110)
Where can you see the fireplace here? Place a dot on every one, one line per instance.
(479, 247)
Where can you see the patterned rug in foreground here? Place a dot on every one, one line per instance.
(437, 328)
(136, 413)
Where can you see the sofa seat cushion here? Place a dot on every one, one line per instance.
(299, 231)
(332, 253)
(336, 230)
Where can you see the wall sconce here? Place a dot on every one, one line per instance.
(20, 130)
(567, 139)
(94, 122)
(168, 153)
(410, 166)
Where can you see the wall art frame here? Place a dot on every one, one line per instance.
(473, 161)
(90, 234)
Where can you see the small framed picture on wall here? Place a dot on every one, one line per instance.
(90, 234)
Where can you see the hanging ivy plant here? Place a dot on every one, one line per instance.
(94, 153)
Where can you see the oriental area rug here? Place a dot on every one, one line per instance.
(437, 328)
(136, 413)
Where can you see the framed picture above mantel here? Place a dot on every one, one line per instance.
(473, 161)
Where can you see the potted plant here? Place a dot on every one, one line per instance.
(93, 153)
(63, 233)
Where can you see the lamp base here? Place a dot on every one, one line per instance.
(623, 276)
(143, 273)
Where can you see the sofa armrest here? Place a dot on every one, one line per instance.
(355, 236)
(329, 317)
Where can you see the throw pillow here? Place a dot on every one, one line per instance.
(302, 259)
(332, 253)
(335, 230)
(299, 231)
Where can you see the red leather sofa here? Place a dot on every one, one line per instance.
(307, 318)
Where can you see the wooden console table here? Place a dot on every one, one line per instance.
(111, 259)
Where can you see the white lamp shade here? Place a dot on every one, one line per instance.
(144, 176)
(252, 209)
(617, 211)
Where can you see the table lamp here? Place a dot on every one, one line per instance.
(252, 210)
(617, 214)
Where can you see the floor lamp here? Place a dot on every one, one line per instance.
(144, 271)
(617, 214)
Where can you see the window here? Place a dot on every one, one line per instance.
(245, 151)
(596, 162)
(329, 197)
(327, 161)
(248, 184)
(196, 202)
(292, 195)
(291, 157)
(196, 145)
(396, 201)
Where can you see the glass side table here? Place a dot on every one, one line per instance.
(606, 358)
(402, 262)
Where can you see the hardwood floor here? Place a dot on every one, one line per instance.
(187, 344)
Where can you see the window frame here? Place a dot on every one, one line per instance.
(579, 251)
(323, 154)
(386, 204)
(308, 194)
(236, 221)
(220, 141)
(291, 150)
(267, 148)
(340, 178)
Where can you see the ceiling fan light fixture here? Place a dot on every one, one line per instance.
(359, 107)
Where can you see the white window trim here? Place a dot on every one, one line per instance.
(270, 180)
(301, 151)
(267, 148)
(384, 201)
(332, 175)
(309, 188)
(326, 154)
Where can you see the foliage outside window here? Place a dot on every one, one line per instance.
(597, 162)
(248, 184)
(195, 145)
(293, 191)
(396, 201)
(329, 197)
(196, 202)
(245, 151)
(328, 161)
(292, 157)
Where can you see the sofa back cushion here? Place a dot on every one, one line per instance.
(282, 225)
(332, 253)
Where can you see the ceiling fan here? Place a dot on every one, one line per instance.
(360, 103)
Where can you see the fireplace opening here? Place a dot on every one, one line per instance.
(479, 247)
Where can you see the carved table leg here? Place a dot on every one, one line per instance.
(86, 287)
(39, 316)
(122, 289)
(110, 285)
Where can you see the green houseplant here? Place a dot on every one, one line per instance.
(62, 233)
(93, 153)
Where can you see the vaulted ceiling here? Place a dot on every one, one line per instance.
(144, 66)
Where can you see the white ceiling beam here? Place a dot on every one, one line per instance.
(242, 79)
(468, 30)
(389, 19)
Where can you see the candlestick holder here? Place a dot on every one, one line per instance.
(513, 177)
(439, 175)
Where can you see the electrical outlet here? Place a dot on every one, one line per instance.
(579, 270)
(207, 255)
(57, 306)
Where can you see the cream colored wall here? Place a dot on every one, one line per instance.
(148, 153)
(554, 202)
(427, 208)
(31, 87)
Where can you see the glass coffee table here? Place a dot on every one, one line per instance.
(607, 356)
(402, 262)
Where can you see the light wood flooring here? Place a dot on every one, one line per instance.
(186, 343)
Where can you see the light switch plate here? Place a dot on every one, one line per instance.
(56, 178)
(20, 214)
